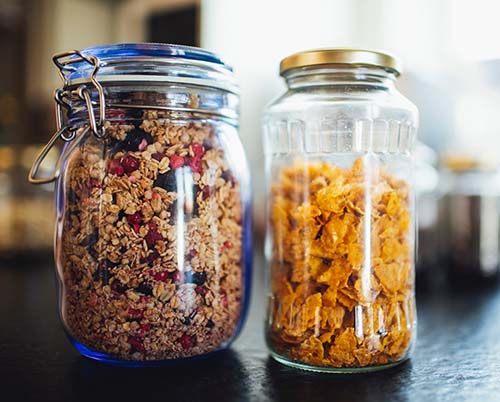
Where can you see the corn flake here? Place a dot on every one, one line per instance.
(331, 306)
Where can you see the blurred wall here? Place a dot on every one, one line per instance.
(58, 25)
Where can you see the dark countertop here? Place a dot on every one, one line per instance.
(457, 357)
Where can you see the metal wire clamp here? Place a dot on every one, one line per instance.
(64, 62)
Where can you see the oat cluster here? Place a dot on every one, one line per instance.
(341, 266)
(150, 249)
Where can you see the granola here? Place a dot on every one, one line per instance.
(342, 266)
(151, 243)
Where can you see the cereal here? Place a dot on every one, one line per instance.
(340, 299)
(151, 246)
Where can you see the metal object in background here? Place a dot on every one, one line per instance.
(472, 222)
(473, 237)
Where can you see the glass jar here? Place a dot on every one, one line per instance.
(341, 213)
(471, 222)
(153, 244)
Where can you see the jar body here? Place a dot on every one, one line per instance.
(471, 226)
(153, 245)
(341, 223)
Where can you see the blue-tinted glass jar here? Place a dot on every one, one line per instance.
(153, 245)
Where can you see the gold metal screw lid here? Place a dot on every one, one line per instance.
(341, 56)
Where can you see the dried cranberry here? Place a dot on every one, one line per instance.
(130, 164)
(207, 191)
(158, 156)
(143, 328)
(176, 161)
(192, 253)
(186, 341)
(226, 245)
(135, 138)
(195, 164)
(144, 299)
(115, 167)
(153, 235)
(118, 287)
(115, 114)
(134, 218)
(136, 344)
(151, 258)
(94, 183)
(135, 313)
(223, 294)
(176, 276)
(161, 276)
(198, 149)
(201, 290)
(136, 227)
(92, 301)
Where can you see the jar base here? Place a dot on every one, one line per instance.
(334, 370)
(111, 360)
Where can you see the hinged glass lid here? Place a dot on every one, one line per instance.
(146, 62)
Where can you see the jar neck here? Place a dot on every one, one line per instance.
(338, 76)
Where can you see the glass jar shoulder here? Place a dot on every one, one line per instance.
(342, 103)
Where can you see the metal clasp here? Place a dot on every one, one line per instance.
(64, 62)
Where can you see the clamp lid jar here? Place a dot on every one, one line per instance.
(153, 247)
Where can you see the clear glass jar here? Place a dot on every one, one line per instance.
(153, 243)
(341, 213)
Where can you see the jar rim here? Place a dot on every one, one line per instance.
(341, 57)
(147, 62)
(153, 49)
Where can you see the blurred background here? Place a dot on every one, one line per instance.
(451, 57)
